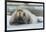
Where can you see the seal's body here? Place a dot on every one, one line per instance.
(19, 17)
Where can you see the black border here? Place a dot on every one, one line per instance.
(22, 2)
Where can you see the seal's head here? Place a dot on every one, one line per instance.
(20, 13)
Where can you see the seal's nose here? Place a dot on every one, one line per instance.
(19, 14)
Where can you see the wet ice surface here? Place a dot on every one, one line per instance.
(24, 26)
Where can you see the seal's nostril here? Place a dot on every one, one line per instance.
(19, 13)
(24, 14)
